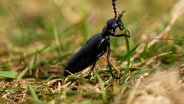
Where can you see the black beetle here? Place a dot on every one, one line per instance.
(96, 46)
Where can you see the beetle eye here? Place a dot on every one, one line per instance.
(114, 25)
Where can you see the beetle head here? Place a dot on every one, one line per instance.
(112, 24)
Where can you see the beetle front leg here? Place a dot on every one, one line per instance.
(120, 35)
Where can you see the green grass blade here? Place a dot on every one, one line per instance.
(128, 50)
(38, 51)
(102, 86)
(35, 59)
(127, 41)
(56, 36)
(129, 54)
(34, 95)
(9, 74)
(34, 64)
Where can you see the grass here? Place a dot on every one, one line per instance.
(39, 37)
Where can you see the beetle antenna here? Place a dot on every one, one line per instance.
(114, 7)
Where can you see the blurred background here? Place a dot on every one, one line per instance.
(58, 28)
(38, 37)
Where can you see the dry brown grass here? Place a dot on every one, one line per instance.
(164, 86)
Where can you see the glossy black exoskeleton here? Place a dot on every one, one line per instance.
(96, 46)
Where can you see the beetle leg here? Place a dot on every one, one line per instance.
(89, 74)
(120, 35)
(108, 61)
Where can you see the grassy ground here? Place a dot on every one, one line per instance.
(39, 37)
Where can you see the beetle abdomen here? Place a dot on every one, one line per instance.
(86, 56)
(78, 62)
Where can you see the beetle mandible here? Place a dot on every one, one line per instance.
(96, 46)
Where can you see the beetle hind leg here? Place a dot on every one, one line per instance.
(89, 74)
